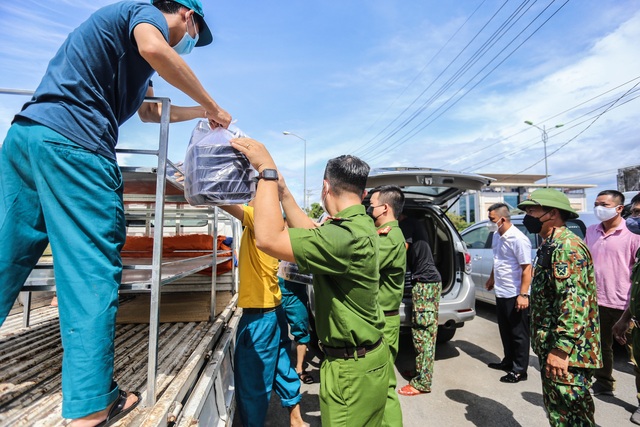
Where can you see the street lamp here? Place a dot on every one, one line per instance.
(545, 137)
(304, 195)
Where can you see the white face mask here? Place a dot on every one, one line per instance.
(604, 213)
(186, 45)
(494, 227)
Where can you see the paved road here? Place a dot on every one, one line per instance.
(467, 393)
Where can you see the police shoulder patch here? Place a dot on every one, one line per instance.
(384, 230)
(561, 270)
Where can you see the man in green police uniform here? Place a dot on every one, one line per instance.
(342, 255)
(565, 329)
(385, 205)
(631, 315)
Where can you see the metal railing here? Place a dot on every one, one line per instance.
(159, 214)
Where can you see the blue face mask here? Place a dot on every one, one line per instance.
(633, 224)
(186, 45)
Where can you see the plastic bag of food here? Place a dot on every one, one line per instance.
(214, 172)
(289, 271)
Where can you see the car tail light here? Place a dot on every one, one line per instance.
(467, 262)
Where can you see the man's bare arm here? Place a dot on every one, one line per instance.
(171, 67)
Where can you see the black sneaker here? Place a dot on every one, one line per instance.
(513, 378)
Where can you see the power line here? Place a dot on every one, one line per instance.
(413, 81)
(566, 128)
(472, 154)
(583, 131)
(407, 136)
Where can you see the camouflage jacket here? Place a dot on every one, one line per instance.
(634, 297)
(564, 305)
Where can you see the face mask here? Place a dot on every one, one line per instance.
(604, 213)
(494, 227)
(186, 45)
(533, 224)
(370, 212)
(633, 224)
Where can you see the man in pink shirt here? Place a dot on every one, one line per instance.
(613, 248)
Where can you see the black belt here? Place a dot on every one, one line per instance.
(258, 310)
(391, 312)
(349, 352)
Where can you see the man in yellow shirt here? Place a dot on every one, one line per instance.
(261, 357)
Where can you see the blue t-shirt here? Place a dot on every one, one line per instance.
(97, 80)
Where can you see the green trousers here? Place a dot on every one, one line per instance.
(353, 392)
(392, 410)
(568, 403)
(426, 300)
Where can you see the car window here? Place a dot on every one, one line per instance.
(577, 226)
(532, 237)
(477, 238)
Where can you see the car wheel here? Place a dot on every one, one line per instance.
(445, 334)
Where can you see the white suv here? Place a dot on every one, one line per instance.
(427, 192)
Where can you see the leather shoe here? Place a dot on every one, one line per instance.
(500, 366)
(513, 377)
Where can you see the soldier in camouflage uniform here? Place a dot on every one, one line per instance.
(565, 329)
(427, 286)
(385, 204)
(631, 316)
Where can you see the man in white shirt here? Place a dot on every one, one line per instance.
(511, 278)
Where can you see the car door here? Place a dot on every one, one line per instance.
(478, 241)
(436, 185)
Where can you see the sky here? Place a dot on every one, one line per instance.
(396, 82)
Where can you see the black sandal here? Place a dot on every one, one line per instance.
(118, 411)
(306, 378)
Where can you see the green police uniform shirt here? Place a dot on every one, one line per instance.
(342, 255)
(634, 297)
(393, 261)
(564, 305)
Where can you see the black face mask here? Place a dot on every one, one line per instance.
(533, 224)
(370, 212)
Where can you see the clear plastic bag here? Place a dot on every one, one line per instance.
(289, 271)
(214, 172)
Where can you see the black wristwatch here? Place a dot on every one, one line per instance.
(269, 174)
(524, 295)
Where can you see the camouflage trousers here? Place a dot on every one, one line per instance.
(426, 298)
(568, 403)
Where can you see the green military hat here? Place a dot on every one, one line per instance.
(550, 198)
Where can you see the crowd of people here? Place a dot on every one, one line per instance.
(60, 184)
(570, 302)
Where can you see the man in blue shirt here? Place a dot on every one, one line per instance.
(60, 183)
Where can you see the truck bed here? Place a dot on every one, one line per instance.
(30, 365)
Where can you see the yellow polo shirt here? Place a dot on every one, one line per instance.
(258, 280)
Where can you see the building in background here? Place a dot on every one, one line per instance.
(512, 189)
(629, 179)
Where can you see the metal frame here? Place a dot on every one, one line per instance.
(156, 264)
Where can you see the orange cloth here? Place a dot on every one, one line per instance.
(184, 246)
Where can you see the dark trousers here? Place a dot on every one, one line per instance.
(514, 333)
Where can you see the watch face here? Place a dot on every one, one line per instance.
(270, 174)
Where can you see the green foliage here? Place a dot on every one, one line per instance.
(315, 211)
(458, 221)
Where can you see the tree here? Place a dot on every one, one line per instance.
(315, 211)
(458, 221)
